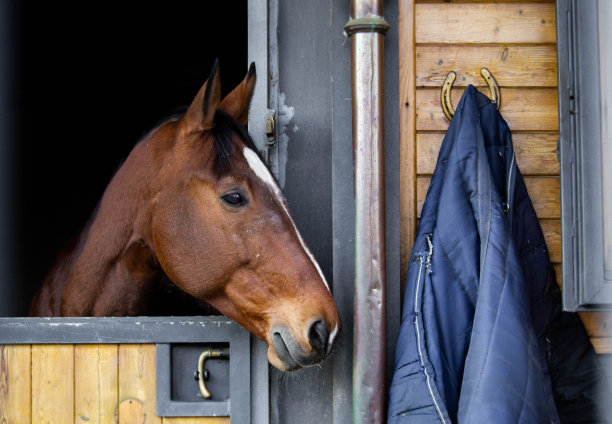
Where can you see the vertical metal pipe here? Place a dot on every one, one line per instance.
(366, 29)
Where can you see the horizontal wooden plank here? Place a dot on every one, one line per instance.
(543, 191)
(512, 66)
(485, 23)
(602, 345)
(536, 153)
(525, 109)
(597, 324)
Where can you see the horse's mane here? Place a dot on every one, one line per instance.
(224, 126)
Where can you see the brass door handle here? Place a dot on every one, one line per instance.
(209, 353)
(445, 98)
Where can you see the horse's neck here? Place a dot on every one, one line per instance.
(113, 261)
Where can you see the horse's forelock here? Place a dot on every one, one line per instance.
(223, 130)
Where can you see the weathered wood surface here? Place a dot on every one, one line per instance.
(511, 65)
(407, 108)
(52, 384)
(536, 153)
(485, 23)
(15, 384)
(137, 388)
(533, 109)
(95, 384)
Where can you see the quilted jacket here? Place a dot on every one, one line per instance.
(480, 292)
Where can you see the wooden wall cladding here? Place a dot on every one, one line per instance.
(82, 384)
(516, 41)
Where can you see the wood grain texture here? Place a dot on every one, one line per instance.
(407, 110)
(137, 388)
(96, 385)
(533, 109)
(512, 66)
(52, 384)
(536, 153)
(485, 23)
(544, 193)
(15, 384)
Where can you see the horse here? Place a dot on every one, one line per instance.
(194, 206)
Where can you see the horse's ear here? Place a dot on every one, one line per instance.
(236, 104)
(201, 112)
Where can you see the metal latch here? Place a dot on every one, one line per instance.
(270, 126)
(203, 374)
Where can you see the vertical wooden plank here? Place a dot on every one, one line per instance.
(15, 377)
(96, 390)
(137, 384)
(407, 108)
(52, 384)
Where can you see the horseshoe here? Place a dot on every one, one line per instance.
(445, 98)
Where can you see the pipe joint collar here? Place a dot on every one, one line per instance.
(368, 24)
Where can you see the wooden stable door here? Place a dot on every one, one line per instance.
(88, 384)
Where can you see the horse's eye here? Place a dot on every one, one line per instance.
(234, 199)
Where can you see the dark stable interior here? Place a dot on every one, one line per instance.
(91, 78)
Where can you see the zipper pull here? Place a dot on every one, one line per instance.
(429, 254)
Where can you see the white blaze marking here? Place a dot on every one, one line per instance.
(262, 172)
(333, 334)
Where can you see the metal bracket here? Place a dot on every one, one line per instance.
(271, 126)
(445, 99)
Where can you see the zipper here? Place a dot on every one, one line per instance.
(507, 204)
(424, 257)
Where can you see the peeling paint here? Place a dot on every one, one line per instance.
(285, 114)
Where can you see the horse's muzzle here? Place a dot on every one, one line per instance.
(293, 355)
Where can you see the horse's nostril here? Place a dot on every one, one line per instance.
(318, 335)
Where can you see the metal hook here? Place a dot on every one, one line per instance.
(445, 98)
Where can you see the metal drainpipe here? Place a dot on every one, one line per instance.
(366, 29)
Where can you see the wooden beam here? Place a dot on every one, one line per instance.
(96, 388)
(137, 386)
(511, 65)
(536, 153)
(52, 383)
(407, 109)
(533, 109)
(15, 384)
(485, 23)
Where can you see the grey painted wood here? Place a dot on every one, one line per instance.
(585, 284)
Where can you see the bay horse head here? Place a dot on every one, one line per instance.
(194, 202)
